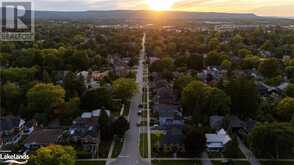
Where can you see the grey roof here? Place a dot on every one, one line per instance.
(44, 136)
(167, 110)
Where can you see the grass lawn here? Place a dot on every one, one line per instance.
(235, 163)
(175, 162)
(144, 145)
(277, 163)
(117, 148)
(90, 163)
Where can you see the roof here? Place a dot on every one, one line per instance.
(83, 127)
(216, 121)
(95, 113)
(167, 110)
(219, 137)
(44, 136)
(10, 122)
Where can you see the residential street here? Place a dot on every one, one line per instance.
(130, 154)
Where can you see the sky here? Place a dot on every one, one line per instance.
(284, 8)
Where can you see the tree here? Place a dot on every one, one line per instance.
(195, 141)
(10, 97)
(290, 90)
(196, 61)
(250, 62)
(74, 86)
(214, 58)
(285, 109)
(181, 82)
(45, 97)
(218, 103)
(54, 155)
(227, 65)
(120, 126)
(103, 119)
(273, 140)
(98, 98)
(124, 88)
(193, 97)
(269, 67)
(244, 96)
(231, 149)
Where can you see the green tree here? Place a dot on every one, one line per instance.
(214, 58)
(217, 103)
(290, 90)
(10, 97)
(285, 109)
(227, 65)
(98, 98)
(269, 67)
(195, 142)
(74, 86)
(45, 97)
(231, 149)
(181, 82)
(124, 88)
(103, 119)
(273, 140)
(193, 97)
(120, 126)
(54, 155)
(244, 96)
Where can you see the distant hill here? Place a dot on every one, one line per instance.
(132, 14)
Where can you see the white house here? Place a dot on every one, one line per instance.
(216, 142)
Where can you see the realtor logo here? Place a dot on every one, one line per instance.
(17, 21)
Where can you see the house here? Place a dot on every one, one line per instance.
(210, 74)
(216, 142)
(169, 115)
(11, 128)
(173, 140)
(216, 122)
(236, 124)
(43, 137)
(90, 80)
(85, 129)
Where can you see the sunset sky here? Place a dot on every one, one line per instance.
(259, 7)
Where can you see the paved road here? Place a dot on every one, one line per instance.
(130, 154)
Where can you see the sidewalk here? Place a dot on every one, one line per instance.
(248, 154)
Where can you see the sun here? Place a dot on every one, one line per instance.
(160, 4)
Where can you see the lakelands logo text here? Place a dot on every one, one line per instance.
(14, 158)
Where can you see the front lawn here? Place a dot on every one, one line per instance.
(117, 148)
(144, 145)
